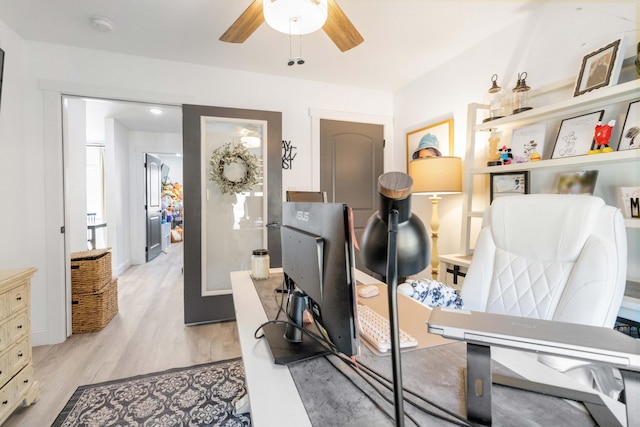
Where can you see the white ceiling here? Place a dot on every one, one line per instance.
(403, 39)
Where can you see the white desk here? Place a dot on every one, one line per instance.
(278, 394)
(273, 394)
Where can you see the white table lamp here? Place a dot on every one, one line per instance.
(436, 176)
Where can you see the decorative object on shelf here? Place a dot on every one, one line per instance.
(508, 184)
(576, 135)
(493, 157)
(496, 100)
(600, 68)
(288, 154)
(581, 182)
(601, 138)
(233, 168)
(506, 158)
(441, 131)
(630, 201)
(436, 176)
(630, 136)
(520, 101)
(527, 143)
(394, 243)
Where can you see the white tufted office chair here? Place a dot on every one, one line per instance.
(550, 256)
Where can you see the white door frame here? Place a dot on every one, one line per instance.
(317, 114)
(57, 244)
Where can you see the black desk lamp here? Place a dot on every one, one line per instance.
(395, 243)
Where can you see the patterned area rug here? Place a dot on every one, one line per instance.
(202, 395)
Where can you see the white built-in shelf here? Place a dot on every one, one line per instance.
(618, 95)
(569, 107)
(603, 158)
(632, 222)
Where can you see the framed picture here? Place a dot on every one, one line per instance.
(508, 184)
(527, 143)
(582, 182)
(437, 135)
(630, 137)
(600, 68)
(575, 137)
(630, 201)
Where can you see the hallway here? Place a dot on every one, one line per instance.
(147, 335)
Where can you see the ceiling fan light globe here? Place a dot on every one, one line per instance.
(295, 16)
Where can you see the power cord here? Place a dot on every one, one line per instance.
(375, 376)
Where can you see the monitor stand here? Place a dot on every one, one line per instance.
(287, 343)
(286, 352)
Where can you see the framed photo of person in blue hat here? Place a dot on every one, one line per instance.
(430, 141)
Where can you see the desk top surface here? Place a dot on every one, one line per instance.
(331, 393)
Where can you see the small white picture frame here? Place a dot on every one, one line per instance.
(528, 142)
(630, 136)
(630, 201)
(575, 137)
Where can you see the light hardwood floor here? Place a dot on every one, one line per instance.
(147, 335)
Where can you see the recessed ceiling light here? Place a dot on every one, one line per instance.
(102, 24)
(155, 111)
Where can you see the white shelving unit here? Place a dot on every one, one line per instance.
(613, 100)
(600, 99)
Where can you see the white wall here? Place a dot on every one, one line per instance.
(139, 144)
(118, 202)
(549, 46)
(54, 69)
(76, 173)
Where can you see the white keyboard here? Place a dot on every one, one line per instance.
(376, 330)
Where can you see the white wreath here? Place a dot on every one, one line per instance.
(225, 158)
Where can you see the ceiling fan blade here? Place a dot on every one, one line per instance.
(245, 25)
(340, 29)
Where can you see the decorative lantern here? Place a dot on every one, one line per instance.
(495, 99)
(521, 95)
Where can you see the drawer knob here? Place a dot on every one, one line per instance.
(4, 402)
(19, 354)
(19, 326)
(19, 299)
(26, 381)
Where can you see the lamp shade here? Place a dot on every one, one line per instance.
(295, 16)
(413, 245)
(436, 175)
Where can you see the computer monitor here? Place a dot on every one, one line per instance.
(318, 259)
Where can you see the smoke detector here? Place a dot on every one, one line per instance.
(101, 24)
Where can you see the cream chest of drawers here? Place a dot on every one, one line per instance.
(17, 387)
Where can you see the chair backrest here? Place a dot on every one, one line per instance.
(549, 256)
(307, 196)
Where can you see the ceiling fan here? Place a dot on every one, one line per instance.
(338, 27)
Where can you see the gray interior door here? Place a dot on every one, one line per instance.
(154, 211)
(351, 160)
(198, 306)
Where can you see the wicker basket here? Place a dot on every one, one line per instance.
(90, 270)
(92, 312)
